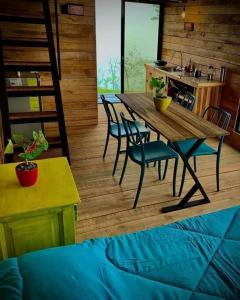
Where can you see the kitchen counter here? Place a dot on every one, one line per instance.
(188, 79)
(206, 92)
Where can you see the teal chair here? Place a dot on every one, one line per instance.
(143, 153)
(219, 117)
(117, 130)
(187, 100)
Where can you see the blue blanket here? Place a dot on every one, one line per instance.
(195, 259)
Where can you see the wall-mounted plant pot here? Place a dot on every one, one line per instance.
(161, 104)
(27, 174)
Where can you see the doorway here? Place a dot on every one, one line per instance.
(108, 37)
(140, 42)
(128, 36)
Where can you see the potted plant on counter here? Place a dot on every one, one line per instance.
(27, 172)
(161, 100)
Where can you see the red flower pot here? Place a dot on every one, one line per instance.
(27, 174)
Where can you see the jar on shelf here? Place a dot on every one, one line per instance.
(210, 74)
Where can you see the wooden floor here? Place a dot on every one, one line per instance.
(105, 207)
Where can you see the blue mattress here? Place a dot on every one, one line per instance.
(195, 259)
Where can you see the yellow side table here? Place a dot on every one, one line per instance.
(40, 216)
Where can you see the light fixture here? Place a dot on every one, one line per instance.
(183, 14)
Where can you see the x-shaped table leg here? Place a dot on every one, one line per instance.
(184, 203)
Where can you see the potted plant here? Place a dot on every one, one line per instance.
(161, 100)
(27, 172)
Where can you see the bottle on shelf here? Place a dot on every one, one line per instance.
(197, 72)
(191, 68)
(187, 67)
(222, 74)
(210, 73)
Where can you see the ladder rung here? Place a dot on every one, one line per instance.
(54, 142)
(22, 19)
(21, 91)
(25, 43)
(9, 68)
(27, 66)
(33, 117)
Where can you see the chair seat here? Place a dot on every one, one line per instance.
(153, 151)
(114, 129)
(204, 149)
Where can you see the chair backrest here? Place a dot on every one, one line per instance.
(220, 118)
(111, 113)
(134, 137)
(185, 99)
(217, 116)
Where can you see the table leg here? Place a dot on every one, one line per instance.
(184, 203)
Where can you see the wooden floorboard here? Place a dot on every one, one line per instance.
(105, 207)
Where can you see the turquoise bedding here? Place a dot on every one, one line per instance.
(195, 259)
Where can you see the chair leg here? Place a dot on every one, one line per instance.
(159, 170)
(158, 139)
(106, 145)
(148, 137)
(195, 163)
(117, 156)
(165, 169)
(182, 181)
(139, 186)
(174, 176)
(124, 168)
(218, 172)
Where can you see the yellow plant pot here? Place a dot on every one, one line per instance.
(162, 103)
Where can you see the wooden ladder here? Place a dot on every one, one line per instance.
(50, 66)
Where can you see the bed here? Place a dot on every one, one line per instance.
(195, 259)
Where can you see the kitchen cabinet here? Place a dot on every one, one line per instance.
(206, 92)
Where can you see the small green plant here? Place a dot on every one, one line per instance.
(159, 85)
(31, 148)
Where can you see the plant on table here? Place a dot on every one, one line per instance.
(27, 171)
(160, 87)
(161, 100)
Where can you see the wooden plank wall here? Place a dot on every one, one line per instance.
(215, 41)
(78, 54)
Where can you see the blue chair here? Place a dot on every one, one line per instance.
(143, 153)
(187, 100)
(219, 117)
(117, 130)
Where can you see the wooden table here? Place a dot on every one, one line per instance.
(40, 216)
(176, 124)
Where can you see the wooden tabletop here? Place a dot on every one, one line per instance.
(55, 187)
(176, 124)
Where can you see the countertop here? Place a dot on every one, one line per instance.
(187, 78)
